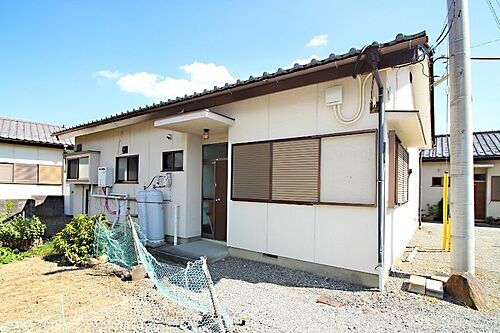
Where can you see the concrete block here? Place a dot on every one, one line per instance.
(434, 288)
(441, 278)
(416, 284)
(412, 255)
(138, 272)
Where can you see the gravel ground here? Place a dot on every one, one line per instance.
(275, 299)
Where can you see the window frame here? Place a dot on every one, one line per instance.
(396, 194)
(173, 153)
(126, 180)
(59, 179)
(309, 203)
(11, 173)
(36, 182)
(77, 159)
(440, 181)
(494, 199)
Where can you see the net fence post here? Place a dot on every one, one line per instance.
(213, 297)
(134, 239)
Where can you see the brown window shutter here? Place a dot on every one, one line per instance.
(50, 174)
(251, 165)
(295, 170)
(402, 174)
(6, 173)
(495, 188)
(25, 173)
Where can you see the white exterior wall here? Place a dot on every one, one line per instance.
(492, 207)
(432, 194)
(340, 236)
(148, 142)
(15, 153)
(402, 221)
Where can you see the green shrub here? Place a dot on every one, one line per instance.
(21, 233)
(8, 255)
(76, 240)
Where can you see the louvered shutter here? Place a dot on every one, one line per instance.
(295, 170)
(6, 173)
(251, 165)
(49, 174)
(402, 174)
(25, 173)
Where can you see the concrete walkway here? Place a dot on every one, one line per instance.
(214, 251)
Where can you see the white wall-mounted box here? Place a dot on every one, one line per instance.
(333, 95)
(105, 177)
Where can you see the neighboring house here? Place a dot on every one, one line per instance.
(31, 160)
(436, 161)
(272, 165)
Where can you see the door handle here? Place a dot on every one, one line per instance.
(217, 200)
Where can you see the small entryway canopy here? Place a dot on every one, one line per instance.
(196, 122)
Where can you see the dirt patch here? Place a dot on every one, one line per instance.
(34, 288)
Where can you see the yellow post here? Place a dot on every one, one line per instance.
(446, 222)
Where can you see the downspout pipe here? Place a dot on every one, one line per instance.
(373, 58)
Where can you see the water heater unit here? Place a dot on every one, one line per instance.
(105, 177)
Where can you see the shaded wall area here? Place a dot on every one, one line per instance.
(50, 210)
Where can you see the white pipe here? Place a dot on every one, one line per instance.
(114, 196)
(175, 218)
(361, 104)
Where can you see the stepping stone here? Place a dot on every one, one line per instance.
(416, 284)
(434, 288)
(412, 255)
(441, 278)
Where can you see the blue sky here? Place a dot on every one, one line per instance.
(74, 61)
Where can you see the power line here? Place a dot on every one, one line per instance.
(493, 12)
(485, 58)
(442, 37)
(471, 58)
(486, 43)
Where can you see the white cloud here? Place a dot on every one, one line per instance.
(200, 76)
(318, 41)
(106, 74)
(303, 61)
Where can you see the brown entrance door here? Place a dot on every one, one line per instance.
(220, 225)
(479, 200)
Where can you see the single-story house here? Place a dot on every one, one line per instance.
(31, 159)
(282, 167)
(436, 161)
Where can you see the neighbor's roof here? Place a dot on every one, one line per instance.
(229, 88)
(30, 132)
(486, 145)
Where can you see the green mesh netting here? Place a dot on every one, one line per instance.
(117, 243)
(190, 287)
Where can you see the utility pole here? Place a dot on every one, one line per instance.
(461, 160)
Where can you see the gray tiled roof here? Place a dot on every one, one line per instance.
(228, 86)
(27, 131)
(486, 145)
